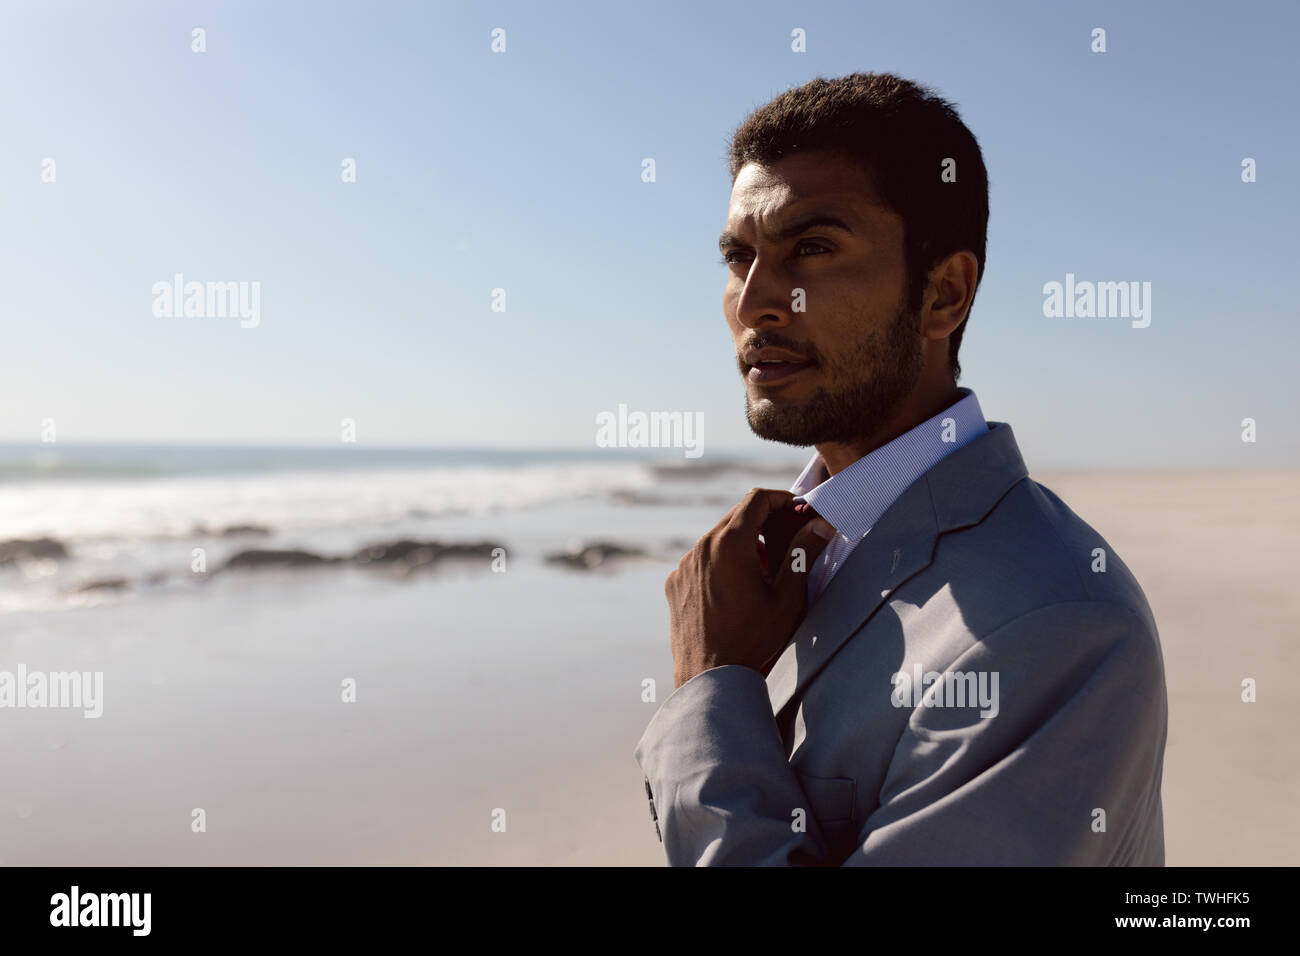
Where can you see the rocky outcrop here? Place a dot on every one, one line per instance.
(399, 556)
(31, 549)
(99, 584)
(406, 555)
(276, 558)
(585, 557)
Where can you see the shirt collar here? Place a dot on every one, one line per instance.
(853, 500)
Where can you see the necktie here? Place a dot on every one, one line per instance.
(819, 569)
(816, 568)
(779, 531)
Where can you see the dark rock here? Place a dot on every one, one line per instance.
(398, 555)
(276, 558)
(99, 584)
(234, 530)
(231, 531)
(636, 498)
(413, 554)
(695, 469)
(585, 557)
(21, 549)
(473, 549)
(624, 497)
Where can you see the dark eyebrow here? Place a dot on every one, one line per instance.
(814, 220)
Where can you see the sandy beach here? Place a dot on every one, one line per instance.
(521, 691)
(1209, 550)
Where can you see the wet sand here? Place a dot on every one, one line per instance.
(522, 692)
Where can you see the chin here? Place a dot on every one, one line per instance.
(779, 425)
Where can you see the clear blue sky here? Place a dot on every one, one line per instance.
(522, 171)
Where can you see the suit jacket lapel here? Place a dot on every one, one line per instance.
(957, 492)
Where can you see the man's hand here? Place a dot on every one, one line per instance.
(725, 608)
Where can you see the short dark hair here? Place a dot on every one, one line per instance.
(899, 132)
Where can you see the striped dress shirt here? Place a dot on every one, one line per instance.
(853, 500)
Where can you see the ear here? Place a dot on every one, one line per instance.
(948, 294)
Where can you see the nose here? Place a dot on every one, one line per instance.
(764, 300)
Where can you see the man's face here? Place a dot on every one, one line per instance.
(849, 353)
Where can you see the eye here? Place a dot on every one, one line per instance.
(814, 244)
(726, 260)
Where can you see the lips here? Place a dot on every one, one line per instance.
(754, 356)
(772, 365)
(765, 373)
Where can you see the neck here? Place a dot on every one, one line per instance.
(912, 412)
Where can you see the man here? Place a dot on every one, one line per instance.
(944, 665)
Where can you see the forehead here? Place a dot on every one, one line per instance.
(804, 182)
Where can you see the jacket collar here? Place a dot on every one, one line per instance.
(957, 492)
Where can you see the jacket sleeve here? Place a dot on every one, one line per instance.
(1067, 771)
(718, 778)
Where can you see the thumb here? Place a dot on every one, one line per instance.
(807, 546)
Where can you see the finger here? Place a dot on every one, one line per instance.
(704, 541)
(756, 507)
(739, 540)
(730, 516)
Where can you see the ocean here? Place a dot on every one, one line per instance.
(130, 519)
(458, 632)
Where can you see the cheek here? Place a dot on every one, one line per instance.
(862, 286)
(852, 312)
(729, 297)
(729, 314)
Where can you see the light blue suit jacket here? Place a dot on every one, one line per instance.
(976, 577)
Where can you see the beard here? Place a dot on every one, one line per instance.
(869, 380)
